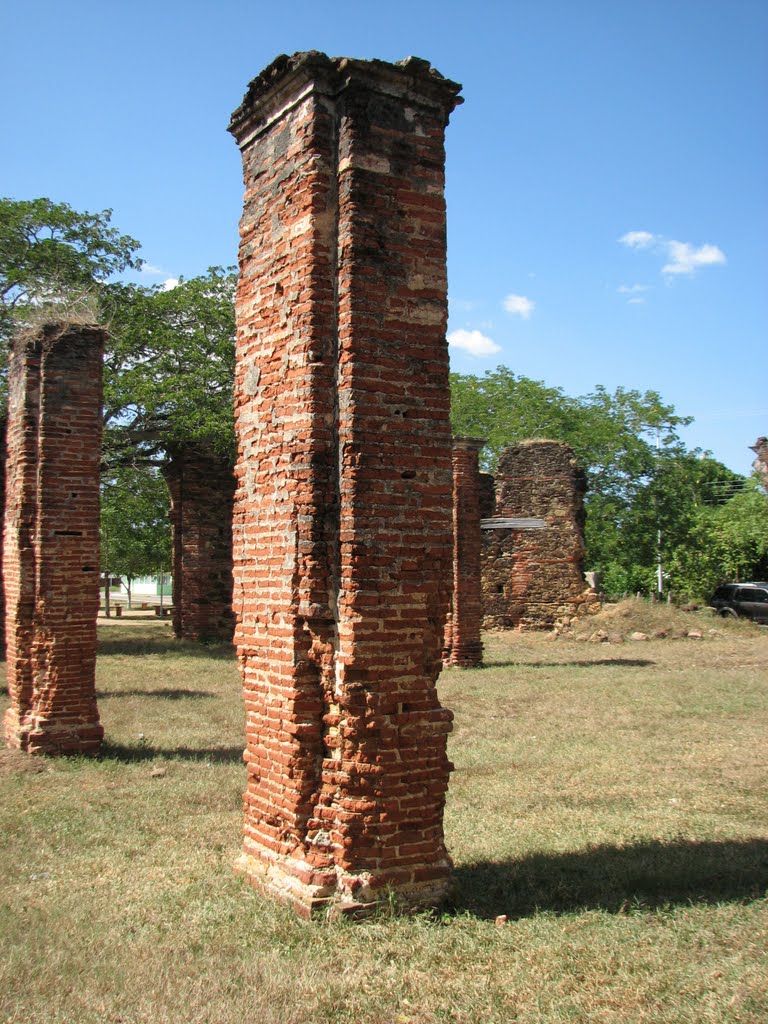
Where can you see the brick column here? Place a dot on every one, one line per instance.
(201, 484)
(464, 645)
(342, 524)
(51, 551)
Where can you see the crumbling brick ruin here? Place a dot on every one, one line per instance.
(201, 484)
(342, 525)
(463, 641)
(534, 578)
(760, 448)
(3, 428)
(51, 552)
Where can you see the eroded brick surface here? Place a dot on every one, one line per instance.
(51, 549)
(201, 484)
(463, 642)
(760, 448)
(342, 523)
(534, 579)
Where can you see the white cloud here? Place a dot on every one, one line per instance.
(636, 302)
(519, 305)
(170, 283)
(638, 239)
(686, 258)
(462, 305)
(473, 342)
(683, 257)
(632, 289)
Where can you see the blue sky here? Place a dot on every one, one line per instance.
(606, 176)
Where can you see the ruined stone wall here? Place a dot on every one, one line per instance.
(342, 527)
(534, 579)
(760, 448)
(201, 484)
(51, 549)
(463, 641)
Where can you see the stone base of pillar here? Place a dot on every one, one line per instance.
(465, 656)
(38, 736)
(313, 892)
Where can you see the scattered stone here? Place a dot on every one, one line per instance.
(158, 772)
(638, 635)
(501, 919)
(695, 634)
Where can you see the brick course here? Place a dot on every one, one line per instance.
(463, 642)
(342, 523)
(201, 484)
(534, 579)
(51, 548)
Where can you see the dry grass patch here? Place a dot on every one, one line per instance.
(608, 799)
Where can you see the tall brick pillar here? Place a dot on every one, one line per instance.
(3, 431)
(463, 641)
(51, 550)
(342, 523)
(201, 485)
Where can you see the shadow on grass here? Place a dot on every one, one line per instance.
(179, 694)
(125, 753)
(615, 879)
(167, 645)
(592, 663)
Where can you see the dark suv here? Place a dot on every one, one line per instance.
(747, 599)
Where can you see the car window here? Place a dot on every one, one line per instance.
(751, 594)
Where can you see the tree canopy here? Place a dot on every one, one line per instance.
(641, 479)
(48, 251)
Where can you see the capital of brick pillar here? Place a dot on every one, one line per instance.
(463, 641)
(51, 550)
(342, 522)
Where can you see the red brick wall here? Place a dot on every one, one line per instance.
(342, 524)
(534, 579)
(51, 550)
(201, 484)
(463, 643)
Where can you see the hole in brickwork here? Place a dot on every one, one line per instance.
(409, 474)
(89, 568)
(68, 533)
(500, 588)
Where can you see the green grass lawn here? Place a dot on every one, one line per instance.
(609, 799)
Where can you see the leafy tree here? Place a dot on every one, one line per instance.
(135, 533)
(48, 251)
(169, 367)
(641, 478)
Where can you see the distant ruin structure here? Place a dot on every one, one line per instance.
(760, 448)
(342, 522)
(533, 573)
(201, 483)
(463, 640)
(51, 550)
